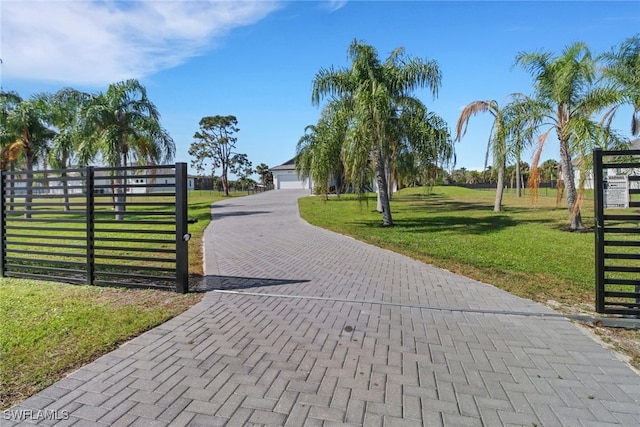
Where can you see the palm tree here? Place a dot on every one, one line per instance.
(308, 150)
(123, 125)
(24, 135)
(426, 147)
(377, 91)
(263, 170)
(319, 150)
(498, 139)
(63, 111)
(622, 68)
(9, 101)
(566, 97)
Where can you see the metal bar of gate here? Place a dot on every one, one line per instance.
(149, 269)
(3, 229)
(599, 233)
(182, 233)
(90, 212)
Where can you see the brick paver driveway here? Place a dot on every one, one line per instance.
(306, 327)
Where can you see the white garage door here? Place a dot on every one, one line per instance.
(289, 182)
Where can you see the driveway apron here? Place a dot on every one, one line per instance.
(302, 326)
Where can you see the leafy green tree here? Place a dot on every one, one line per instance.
(215, 143)
(240, 165)
(549, 169)
(375, 94)
(622, 68)
(517, 169)
(266, 177)
(566, 98)
(123, 126)
(460, 175)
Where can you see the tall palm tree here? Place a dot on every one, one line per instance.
(23, 127)
(8, 153)
(498, 139)
(566, 98)
(123, 125)
(24, 134)
(265, 174)
(63, 111)
(319, 150)
(9, 101)
(622, 68)
(377, 91)
(426, 147)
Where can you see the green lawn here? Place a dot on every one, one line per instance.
(524, 249)
(48, 329)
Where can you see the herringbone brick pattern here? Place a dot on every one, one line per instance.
(303, 327)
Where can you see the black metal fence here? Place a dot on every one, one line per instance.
(98, 226)
(617, 199)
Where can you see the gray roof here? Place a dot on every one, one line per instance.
(288, 165)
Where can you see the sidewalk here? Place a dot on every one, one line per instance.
(306, 327)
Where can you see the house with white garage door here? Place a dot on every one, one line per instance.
(285, 177)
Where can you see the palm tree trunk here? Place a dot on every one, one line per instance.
(12, 186)
(29, 187)
(65, 191)
(518, 177)
(390, 177)
(118, 191)
(570, 186)
(497, 206)
(383, 191)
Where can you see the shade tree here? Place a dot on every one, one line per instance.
(214, 146)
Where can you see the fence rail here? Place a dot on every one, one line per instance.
(617, 236)
(98, 226)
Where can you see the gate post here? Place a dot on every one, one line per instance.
(598, 184)
(182, 232)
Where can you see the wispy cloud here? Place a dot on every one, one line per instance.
(334, 5)
(98, 42)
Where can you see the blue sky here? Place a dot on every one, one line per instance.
(257, 60)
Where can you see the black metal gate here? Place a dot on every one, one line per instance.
(98, 226)
(617, 199)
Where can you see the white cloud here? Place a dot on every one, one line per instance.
(100, 42)
(334, 5)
